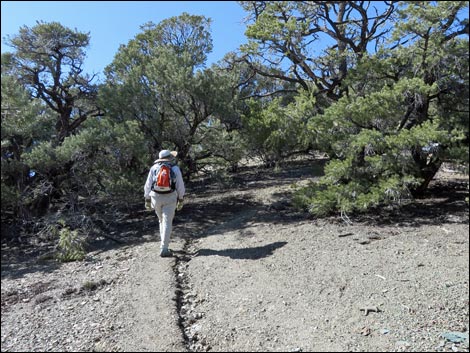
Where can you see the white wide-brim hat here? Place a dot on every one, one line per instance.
(166, 155)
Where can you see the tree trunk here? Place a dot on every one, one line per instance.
(428, 167)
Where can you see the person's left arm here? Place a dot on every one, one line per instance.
(180, 189)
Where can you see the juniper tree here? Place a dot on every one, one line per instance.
(47, 61)
(160, 81)
(405, 114)
(383, 87)
(25, 122)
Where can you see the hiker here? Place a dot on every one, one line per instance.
(164, 192)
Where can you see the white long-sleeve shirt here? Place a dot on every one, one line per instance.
(180, 190)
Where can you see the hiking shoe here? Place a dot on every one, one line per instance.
(165, 253)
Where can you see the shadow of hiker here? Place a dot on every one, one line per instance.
(244, 253)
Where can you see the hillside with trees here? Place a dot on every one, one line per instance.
(326, 166)
(380, 89)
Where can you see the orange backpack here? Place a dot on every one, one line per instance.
(165, 179)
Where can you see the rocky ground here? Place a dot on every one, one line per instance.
(249, 273)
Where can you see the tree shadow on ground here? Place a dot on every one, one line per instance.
(217, 209)
(254, 253)
(19, 266)
(257, 177)
(443, 202)
(201, 219)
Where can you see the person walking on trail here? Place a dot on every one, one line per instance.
(164, 192)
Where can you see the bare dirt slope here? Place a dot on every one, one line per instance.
(252, 274)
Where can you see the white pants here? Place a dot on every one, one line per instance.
(164, 206)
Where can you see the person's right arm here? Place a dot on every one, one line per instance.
(148, 184)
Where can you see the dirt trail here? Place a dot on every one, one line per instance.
(259, 277)
(251, 274)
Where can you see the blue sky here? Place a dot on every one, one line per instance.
(112, 23)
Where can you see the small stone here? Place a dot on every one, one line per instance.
(455, 337)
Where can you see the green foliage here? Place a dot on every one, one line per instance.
(70, 245)
(46, 39)
(388, 108)
(375, 159)
(223, 149)
(273, 130)
(24, 123)
(10, 198)
(45, 100)
(358, 195)
(405, 114)
(320, 41)
(23, 120)
(186, 35)
(48, 60)
(158, 80)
